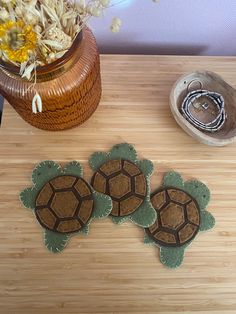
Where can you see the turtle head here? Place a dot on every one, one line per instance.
(119, 151)
(45, 171)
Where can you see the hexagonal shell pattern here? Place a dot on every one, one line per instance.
(172, 216)
(178, 217)
(119, 186)
(64, 204)
(124, 182)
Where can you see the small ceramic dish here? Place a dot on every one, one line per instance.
(214, 83)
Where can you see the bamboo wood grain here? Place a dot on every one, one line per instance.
(111, 270)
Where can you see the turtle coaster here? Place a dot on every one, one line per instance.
(120, 175)
(181, 214)
(63, 202)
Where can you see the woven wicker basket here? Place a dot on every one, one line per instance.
(70, 87)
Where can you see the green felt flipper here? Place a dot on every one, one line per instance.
(102, 205)
(147, 239)
(123, 151)
(55, 242)
(97, 159)
(145, 215)
(73, 168)
(45, 171)
(119, 220)
(84, 230)
(28, 196)
(146, 166)
(172, 257)
(207, 221)
(199, 191)
(173, 179)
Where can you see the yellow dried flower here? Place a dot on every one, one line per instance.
(17, 40)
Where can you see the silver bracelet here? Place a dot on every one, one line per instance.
(217, 99)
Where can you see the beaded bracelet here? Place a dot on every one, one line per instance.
(217, 99)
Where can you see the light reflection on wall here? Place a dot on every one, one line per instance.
(123, 3)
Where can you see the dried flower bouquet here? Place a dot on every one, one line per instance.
(38, 32)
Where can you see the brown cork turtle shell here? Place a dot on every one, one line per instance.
(178, 219)
(64, 204)
(124, 182)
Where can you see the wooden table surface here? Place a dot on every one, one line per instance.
(111, 270)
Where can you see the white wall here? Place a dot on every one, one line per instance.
(198, 27)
